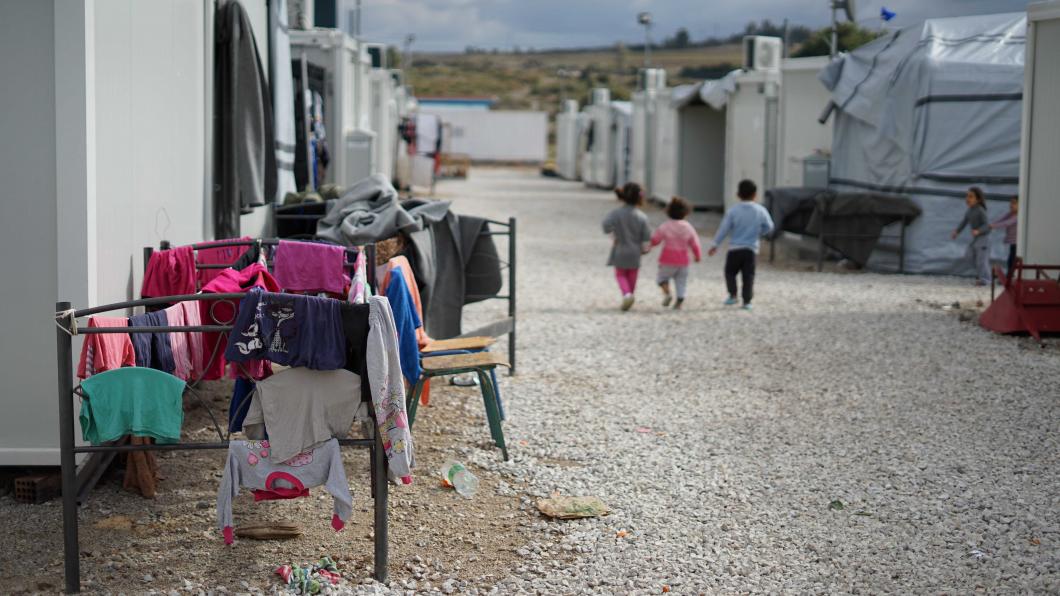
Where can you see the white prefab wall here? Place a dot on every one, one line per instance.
(151, 134)
(638, 154)
(1039, 242)
(496, 135)
(802, 100)
(745, 135)
(665, 156)
(30, 424)
(567, 144)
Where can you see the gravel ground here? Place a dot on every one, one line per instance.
(848, 436)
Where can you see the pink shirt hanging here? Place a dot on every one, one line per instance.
(105, 351)
(169, 273)
(310, 267)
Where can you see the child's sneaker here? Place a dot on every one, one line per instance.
(747, 307)
(677, 305)
(731, 300)
(627, 301)
(667, 299)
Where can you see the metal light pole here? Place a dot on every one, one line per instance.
(835, 33)
(407, 67)
(644, 19)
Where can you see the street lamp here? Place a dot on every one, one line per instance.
(847, 6)
(644, 19)
(408, 52)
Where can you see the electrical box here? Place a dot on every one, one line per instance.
(816, 170)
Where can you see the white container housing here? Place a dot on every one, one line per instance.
(108, 118)
(621, 141)
(663, 142)
(384, 120)
(711, 135)
(643, 128)
(802, 101)
(347, 116)
(598, 160)
(1039, 243)
(495, 135)
(567, 136)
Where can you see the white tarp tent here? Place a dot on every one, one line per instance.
(928, 111)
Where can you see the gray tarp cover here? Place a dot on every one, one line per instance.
(928, 111)
(454, 256)
(369, 211)
(715, 92)
(864, 215)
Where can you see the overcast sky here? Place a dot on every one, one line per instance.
(441, 25)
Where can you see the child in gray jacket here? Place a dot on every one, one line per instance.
(631, 233)
(976, 219)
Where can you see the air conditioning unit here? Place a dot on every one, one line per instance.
(762, 53)
(652, 78)
(601, 96)
(376, 54)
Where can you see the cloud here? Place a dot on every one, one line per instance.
(448, 25)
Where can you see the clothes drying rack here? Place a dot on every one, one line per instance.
(506, 325)
(67, 326)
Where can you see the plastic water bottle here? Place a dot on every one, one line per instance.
(455, 474)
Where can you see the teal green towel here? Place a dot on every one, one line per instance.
(132, 401)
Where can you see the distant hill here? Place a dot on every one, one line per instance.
(540, 80)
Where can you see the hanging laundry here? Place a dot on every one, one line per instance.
(178, 342)
(224, 312)
(246, 155)
(310, 267)
(302, 408)
(383, 365)
(193, 318)
(401, 263)
(277, 486)
(240, 405)
(288, 329)
(105, 351)
(153, 350)
(218, 255)
(169, 273)
(355, 332)
(248, 466)
(406, 321)
(253, 254)
(359, 290)
(132, 401)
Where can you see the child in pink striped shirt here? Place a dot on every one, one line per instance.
(678, 238)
